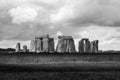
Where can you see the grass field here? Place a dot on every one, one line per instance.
(30, 66)
(41, 75)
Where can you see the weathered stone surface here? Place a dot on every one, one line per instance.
(18, 47)
(84, 46)
(81, 46)
(65, 37)
(42, 44)
(88, 46)
(25, 48)
(94, 46)
(51, 45)
(45, 44)
(38, 45)
(32, 46)
(65, 44)
(41, 36)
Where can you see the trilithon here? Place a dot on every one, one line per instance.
(65, 44)
(84, 46)
(42, 43)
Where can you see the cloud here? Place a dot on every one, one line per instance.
(87, 12)
(23, 14)
(109, 37)
(22, 19)
(75, 12)
(79, 12)
(98, 32)
(59, 33)
(65, 13)
(17, 32)
(112, 44)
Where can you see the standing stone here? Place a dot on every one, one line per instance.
(81, 47)
(72, 48)
(88, 46)
(65, 44)
(94, 46)
(18, 48)
(39, 46)
(51, 45)
(43, 43)
(46, 44)
(84, 46)
(25, 48)
(32, 46)
(59, 47)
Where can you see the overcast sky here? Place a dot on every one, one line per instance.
(21, 20)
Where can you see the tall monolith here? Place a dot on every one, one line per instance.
(25, 48)
(18, 47)
(94, 46)
(32, 46)
(51, 44)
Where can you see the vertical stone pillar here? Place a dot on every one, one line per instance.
(39, 42)
(18, 47)
(45, 45)
(67, 44)
(81, 46)
(32, 46)
(59, 44)
(36, 44)
(87, 46)
(51, 44)
(94, 46)
(97, 49)
(25, 48)
(72, 46)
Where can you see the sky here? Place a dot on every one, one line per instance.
(21, 20)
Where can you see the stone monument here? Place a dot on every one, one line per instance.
(94, 46)
(18, 47)
(42, 43)
(65, 44)
(25, 48)
(84, 46)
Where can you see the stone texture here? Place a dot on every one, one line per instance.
(32, 46)
(84, 46)
(42, 43)
(41, 36)
(94, 46)
(65, 44)
(81, 47)
(25, 48)
(38, 45)
(51, 45)
(18, 47)
(45, 44)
